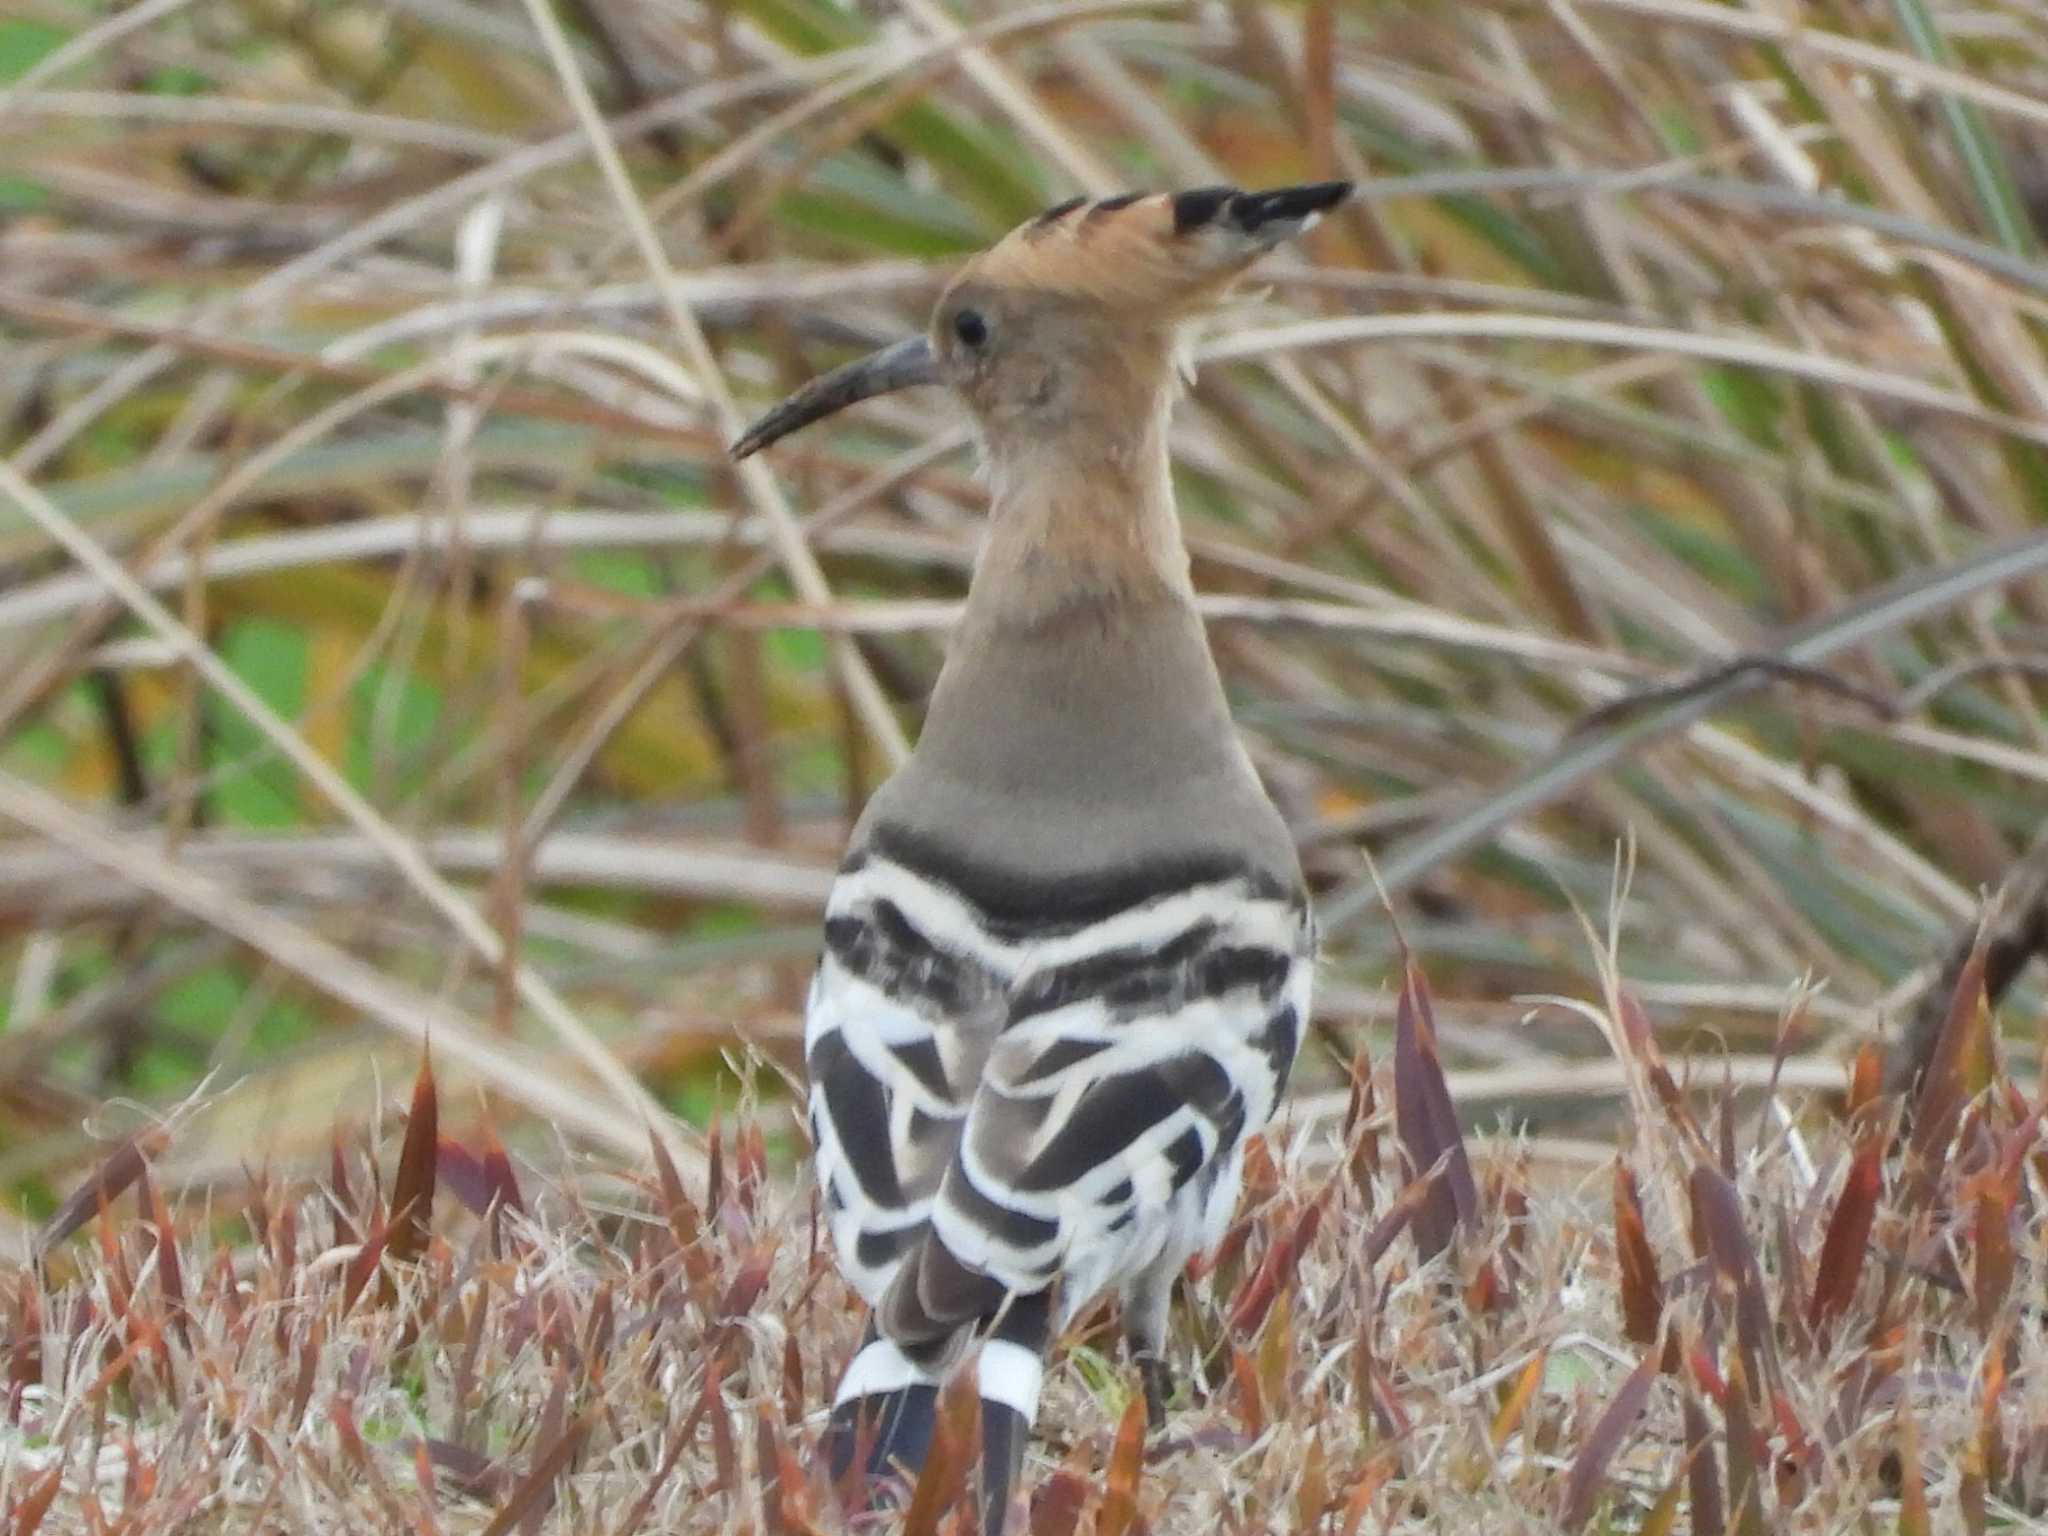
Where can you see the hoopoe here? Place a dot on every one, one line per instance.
(1067, 958)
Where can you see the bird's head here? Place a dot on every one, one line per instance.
(1073, 313)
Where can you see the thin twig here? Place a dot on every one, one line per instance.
(1764, 665)
(1890, 707)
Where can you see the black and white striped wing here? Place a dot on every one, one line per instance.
(1106, 1134)
(900, 1013)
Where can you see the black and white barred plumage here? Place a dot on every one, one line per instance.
(1023, 1097)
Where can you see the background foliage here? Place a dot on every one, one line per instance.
(1654, 456)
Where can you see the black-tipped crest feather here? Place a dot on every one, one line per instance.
(1112, 204)
(1195, 208)
(1055, 213)
(1251, 212)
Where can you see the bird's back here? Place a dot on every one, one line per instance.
(1066, 966)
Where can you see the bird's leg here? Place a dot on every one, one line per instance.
(1157, 1376)
(1145, 1300)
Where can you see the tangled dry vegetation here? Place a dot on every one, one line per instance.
(1656, 451)
(1748, 1326)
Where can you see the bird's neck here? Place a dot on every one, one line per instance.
(1079, 722)
(1081, 520)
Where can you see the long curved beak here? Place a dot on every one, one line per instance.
(895, 367)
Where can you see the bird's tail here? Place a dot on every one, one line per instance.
(886, 1409)
(883, 1414)
(1008, 1376)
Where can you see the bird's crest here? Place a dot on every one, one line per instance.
(1156, 257)
(1161, 250)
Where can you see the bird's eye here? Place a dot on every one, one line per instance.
(970, 327)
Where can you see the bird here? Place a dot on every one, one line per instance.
(1068, 955)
